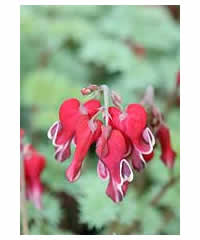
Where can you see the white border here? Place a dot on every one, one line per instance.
(190, 87)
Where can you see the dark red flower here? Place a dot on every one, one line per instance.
(168, 155)
(87, 132)
(133, 123)
(112, 165)
(62, 132)
(34, 164)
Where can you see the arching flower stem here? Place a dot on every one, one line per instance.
(106, 93)
(23, 204)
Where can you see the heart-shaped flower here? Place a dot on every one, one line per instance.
(87, 132)
(112, 165)
(62, 132)
(133, 123)
(34, 164)
(168, 154)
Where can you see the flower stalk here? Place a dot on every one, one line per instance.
(106, 93)
(23, 204)
(164, 189)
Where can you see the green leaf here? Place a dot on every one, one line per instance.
(57, 88)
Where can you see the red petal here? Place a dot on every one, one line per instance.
(115, 117)
(34, 163)
(102, 144)
(92, 106)
(34, 191)
(168, 155)
(113, 192)
(117, 148)
(84, 138)
(148, 157)
(119, 169)
(69, 114)
(146, 142)
(136, 123)
(132, 123)
(62, 145)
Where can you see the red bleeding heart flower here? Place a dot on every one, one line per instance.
(112, 165)
(34, 164)
(62, 132)
(168, 155)
(123, 142)
(133, 123)
(87, 132)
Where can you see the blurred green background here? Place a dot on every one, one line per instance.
(65, 48)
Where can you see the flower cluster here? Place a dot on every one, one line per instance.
(123, 144)
(33, 165)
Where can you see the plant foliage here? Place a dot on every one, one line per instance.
(65, 48)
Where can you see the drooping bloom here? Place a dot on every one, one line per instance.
(123, 144)
(62, 132)
(34, 164)
(168, 155)
(87, 132)
(111, 150)
(133, 123)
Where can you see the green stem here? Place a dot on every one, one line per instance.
(23, 208)
(106, 93)
(163, 190)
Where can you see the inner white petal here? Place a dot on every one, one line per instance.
(50, 129)
(100, 167)
(126, 178)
